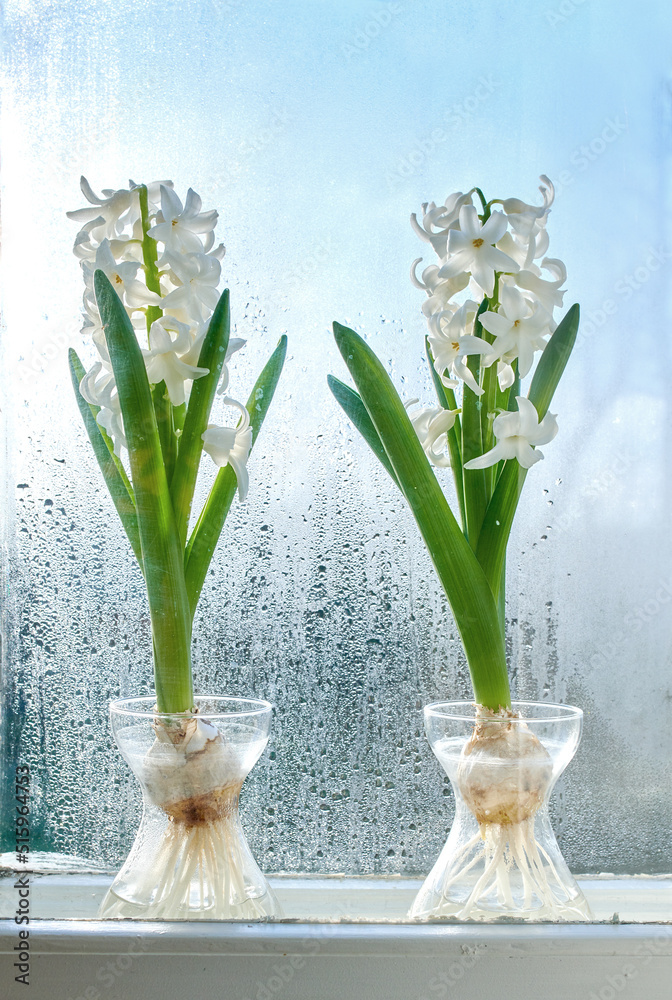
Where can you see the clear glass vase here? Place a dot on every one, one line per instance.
(501, 859)
(190, 858)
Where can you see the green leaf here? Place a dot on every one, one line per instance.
(212, 357)
(501, 511)
(118, 487)
(553, 361)
(351, 403)
(463, 580)
(161, 552)
(209, 526)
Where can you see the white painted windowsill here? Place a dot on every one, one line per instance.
(341, 937)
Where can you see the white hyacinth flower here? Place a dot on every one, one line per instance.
(451, 345)
(197, 276)
(516, 434)
(179, 227)
(192, 355)
(101, 390)
(188, 272)
(163, 361)
(439, 290)
(122, 277)
(520, 328)
(231, 446)
(103, 219)
(505, 375)
(548, 293)
(431, 424)
(471, 248)
(437, 221)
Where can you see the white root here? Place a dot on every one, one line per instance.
(503, 776)
(507, 852)
(201, 867)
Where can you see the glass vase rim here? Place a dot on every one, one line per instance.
(145, 708)
(465, 711)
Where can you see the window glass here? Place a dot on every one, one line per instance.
(315, 129)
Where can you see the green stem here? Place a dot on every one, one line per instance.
(488, 400)
(164, 422)
(162, 404)
(475, 480)
(488, 407)
(486, 207)
(149, 256)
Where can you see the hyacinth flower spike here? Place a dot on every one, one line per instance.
(489, 312)
(161, 330)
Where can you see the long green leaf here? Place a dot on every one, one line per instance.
(212, 357)
(209, 526)
(161, 552)
(351, 402)
(553, 361)
(118, 490)
(501, 511)
(466, 587)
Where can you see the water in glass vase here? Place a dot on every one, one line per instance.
(190, 858)
(501, 858)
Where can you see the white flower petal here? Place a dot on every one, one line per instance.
(494, 228)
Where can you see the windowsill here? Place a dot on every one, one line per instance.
(337, 898)
(343, 937)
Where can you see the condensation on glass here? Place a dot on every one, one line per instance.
(315, 130)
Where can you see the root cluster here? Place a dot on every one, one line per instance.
(200, 865)
(504, 775)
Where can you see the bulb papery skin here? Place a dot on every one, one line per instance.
(504, 772)
(193, 787)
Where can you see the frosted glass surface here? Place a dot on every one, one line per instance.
(311, 128)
